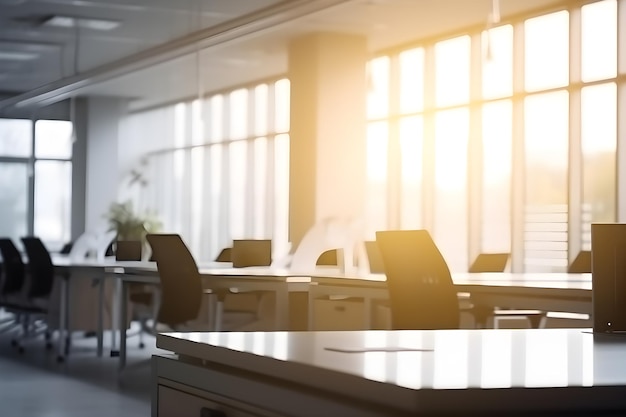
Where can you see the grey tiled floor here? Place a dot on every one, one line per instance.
(33, 384)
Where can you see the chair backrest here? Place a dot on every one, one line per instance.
(489, 262)
(40, 266)
(421, 292)
(328, 257)
(13, 267)
(251, 252)
(224, 255)
(181, 286)
(582, 263)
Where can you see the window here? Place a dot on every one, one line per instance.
(36, 154)
(378, 88)
(452, 71)
(438, 161)
(450, 225)
(546, 140)
(496, 165)
(599, 147)
(547, 51)
(16, 137)
(599, 40)
(377, 145)
(412, 80)
(225, 173)
(498, 62)
(411, 150)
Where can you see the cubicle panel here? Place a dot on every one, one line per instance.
(608, 268)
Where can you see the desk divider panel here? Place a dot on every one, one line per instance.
(608, 268)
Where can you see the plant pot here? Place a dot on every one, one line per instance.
(128, 250)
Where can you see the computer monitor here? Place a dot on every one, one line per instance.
(374, 257)
(251, 252)
(608, 270)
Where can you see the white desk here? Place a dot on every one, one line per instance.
(460, 372)
(528, 291)
(215, 276)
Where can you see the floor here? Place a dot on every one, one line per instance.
(33, 384)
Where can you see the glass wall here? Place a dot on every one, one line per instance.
(503, 137)
(217, 169)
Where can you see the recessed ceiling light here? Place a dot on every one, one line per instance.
(17, 56)
(85, 23)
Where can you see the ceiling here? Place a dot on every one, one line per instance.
(157, 51)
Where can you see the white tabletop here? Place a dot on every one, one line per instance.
(409, 363)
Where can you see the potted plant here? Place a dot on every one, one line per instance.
(131, 229)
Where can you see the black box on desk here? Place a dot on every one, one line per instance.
(608, 269)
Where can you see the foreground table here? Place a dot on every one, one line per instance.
(387, 373)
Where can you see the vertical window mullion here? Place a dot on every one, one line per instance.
(621, 110)
(474, 154)
(394, 160)
(518, 185)
(575, 216)
(428, 174)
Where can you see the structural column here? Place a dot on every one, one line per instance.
(328, 144)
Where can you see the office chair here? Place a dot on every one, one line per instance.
(581, 264)
(181, 286)
(12, 283)
(421, 292)
(37, 297)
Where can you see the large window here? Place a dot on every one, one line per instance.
(36, 171)
(499, 140)
(217, 168)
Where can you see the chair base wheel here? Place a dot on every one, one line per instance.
(142, 345)
(20, 349)
(14, 343)
(48, 346)
(60, 359)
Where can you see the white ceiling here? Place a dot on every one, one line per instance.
(144, 24)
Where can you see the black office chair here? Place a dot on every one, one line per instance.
(12, 284)
(39, 287)
(181, 286)
(421, 292)
(581, 264)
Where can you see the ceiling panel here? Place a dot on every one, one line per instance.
(147, 23)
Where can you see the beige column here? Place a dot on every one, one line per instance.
(328, 143)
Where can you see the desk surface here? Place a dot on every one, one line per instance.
(333, 276)
(510, 369)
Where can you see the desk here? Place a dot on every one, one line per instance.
(457, 373)
(529, 291)
(277, 280)
(215, 276)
